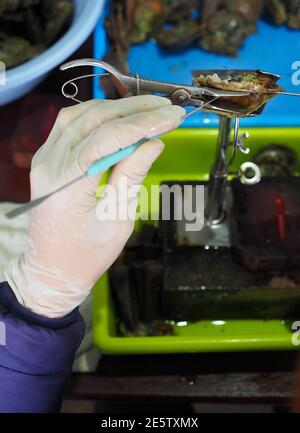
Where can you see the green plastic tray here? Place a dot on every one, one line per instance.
(188, 155)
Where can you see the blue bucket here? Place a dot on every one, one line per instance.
(24, 78)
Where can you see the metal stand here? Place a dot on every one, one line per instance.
(217, 192)
(218, 177)
(217, 196)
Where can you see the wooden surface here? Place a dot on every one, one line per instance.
(256, 377)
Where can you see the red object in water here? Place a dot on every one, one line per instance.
(265, 223)
(280, 215)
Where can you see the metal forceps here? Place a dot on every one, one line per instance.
(179, 94)
(182, 95)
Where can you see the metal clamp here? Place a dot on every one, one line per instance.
(240, 143)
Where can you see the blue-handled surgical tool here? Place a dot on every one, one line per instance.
(94, 169)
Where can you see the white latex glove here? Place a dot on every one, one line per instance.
(69, 247)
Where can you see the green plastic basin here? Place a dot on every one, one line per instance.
(189, 155)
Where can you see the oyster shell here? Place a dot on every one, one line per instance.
(28, 27)
(285, 12)
(232, 22)
(261, 85)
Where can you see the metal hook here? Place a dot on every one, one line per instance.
(110, 70)
(237, 143)
(72, 95)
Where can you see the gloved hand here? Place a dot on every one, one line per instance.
(70, 245)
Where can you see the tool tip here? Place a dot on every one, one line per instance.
(11, 215)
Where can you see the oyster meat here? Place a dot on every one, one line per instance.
(262, 87)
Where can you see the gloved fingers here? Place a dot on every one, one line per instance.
(121, 133)
(69, 114)
(97, 115)
(136, 167)
(124, 183)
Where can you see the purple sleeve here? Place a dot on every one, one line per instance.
(36, 356)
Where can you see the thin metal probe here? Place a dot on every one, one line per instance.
(122, 154)
(34, 203)
(275, 92)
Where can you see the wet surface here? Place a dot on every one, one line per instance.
(213, 283)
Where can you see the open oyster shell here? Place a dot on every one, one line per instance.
(262, 86)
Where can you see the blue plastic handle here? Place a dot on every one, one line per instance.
(111, 160)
